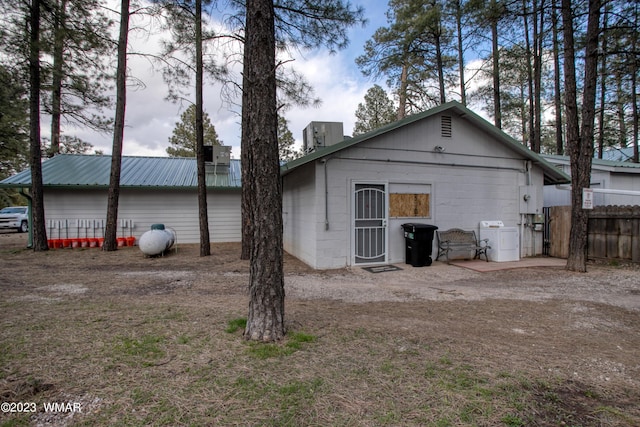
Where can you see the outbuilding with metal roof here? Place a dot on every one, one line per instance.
(614, 182)
(345, 202)
(152, 190)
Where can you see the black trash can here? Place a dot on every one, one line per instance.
(418, 243)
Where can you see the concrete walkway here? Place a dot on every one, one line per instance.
(483, 266)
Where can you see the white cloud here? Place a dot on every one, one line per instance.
(335, 81)
(150, 118)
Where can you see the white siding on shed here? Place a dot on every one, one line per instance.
(177, 209)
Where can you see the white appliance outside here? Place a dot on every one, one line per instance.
(504, 241)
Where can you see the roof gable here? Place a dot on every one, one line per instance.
(551, 174)
(91, 171)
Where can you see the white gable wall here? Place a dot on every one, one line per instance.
(474, 179)
(177, 209)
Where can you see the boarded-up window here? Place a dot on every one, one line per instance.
(409, 205)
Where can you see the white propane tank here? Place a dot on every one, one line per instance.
(157, 240)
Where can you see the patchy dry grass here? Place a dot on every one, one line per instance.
(158, 342)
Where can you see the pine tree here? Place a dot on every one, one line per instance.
(325, 23)
(113, 194)
(35, 154)
(188, 28)
(183, 139)
(580, 132)
(14, 123)
(297, 25)
(377, 111)
(74, 43)
(265, 321)
(286, 141)
(79, 79)
(413, 51)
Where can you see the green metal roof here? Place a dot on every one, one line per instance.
(616, 165)
(552, 175)
(82, 171)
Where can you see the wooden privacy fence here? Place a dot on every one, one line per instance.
(614, 232)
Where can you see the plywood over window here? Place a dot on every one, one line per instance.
(409, 205)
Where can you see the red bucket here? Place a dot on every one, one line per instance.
(121, 241)
(131, 241)
(84, 243)
(75, 243)
(93, 243)
(66, 243)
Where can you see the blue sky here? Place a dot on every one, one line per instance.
(336, 79)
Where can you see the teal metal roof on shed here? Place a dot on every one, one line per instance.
(76, 170)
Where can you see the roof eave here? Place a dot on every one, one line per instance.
(552, 174)
(326, 151)
(127, 187)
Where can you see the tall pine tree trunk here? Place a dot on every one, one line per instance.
(578, 216)
(538, 36)
(265, 321)
(247, 188)
(402, 91)
(205, 245)
(110, 243)
(634, 84)
(620, 108)
(57, 74)
(439, 63)
(530, 134)
(246, 159)
(35, 153)
(497, 109)
(603, 84)
(459, 36)
(556, 82)
(580, 141)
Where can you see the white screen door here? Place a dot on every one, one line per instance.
(370, 223)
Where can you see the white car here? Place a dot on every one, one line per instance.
(15, 217)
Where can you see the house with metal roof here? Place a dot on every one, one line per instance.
(614, 182)
(152, 190)
(615, 154)
(345, 202)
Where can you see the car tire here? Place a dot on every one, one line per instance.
(24, 227)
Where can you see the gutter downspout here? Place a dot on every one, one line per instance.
(527, 171)
(326, 194)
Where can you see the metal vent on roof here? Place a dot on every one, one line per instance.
(445, 126)
(217, 159)
(217, 154)
(321, 134)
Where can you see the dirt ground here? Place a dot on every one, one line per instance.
(579, 331)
